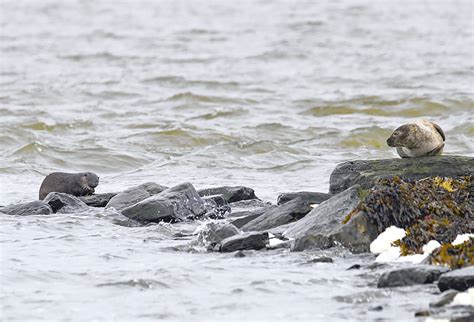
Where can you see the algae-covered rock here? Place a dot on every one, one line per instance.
(454, 256)
(366, 172)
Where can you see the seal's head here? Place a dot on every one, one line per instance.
(88, 182)
(404, 136)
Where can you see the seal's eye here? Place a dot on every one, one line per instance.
(396, 133)
(85, 175)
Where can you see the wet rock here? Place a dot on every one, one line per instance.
(309, 197)
(218, 205)
(422, 313)
(355, 266)
(411, 276)
(134, 195)
(218, 200)
(213, 234)
(445, 298)
(27, 209)
(245, 241)
(99, 200)
(322, 259)
(460, 279)
(281, 215)
(65, 203)
(323, 227)
(231, 194)
(173, 204)
(248, 210)
(366, 172)
(240, 222)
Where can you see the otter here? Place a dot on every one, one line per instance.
(76, 184)
(420, 139)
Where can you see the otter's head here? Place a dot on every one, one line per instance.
(404, 136)
(89, 181)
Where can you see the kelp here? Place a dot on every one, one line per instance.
(454, 256)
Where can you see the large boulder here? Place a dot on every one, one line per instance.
(325, 226)
(173, 204)
(411, 276)
(366, 172)
(460, 279)
(65, 203)
(134, 195)
(98, 200)
(281, 215)
(27, 209)
(231, 194)
(309, 197)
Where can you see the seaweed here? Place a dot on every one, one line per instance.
(433, 208)
(454, 256)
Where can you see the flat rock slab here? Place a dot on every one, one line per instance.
(231, 194)
(411, 276)
(323, 227)
(245, 241)
(309, 197)
(99, 200)
(134, 195)
(173, 204)
(366, 172)
(28, 209)
(460, 279)
(64, 203)
(281, 215)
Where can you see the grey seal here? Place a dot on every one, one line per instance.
(420, 139)
(76, 184)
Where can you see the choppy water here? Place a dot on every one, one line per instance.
(271, 95)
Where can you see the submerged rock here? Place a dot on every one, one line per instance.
(323, 227)
(445, 298)
(411, 276)
(65, 203)
(27, 209)
(460, 279)
(231, 194)
(309, 197)
(173, 204)
(281, 215)
(366, 172)
(134, 195)
(245, 241)
(99, 200)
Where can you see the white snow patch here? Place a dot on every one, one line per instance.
(462, 238)
(384, 241)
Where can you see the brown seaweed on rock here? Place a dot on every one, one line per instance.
(454, 256)
(431, 208)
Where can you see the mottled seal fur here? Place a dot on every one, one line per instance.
(76, 184)
(420, 139)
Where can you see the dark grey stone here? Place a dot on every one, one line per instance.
(218, 200)
(245, 241)
(411, 276)
(247, 210)
(366, 172)
(65, 203)
(460, 279)
(174, 204)
(99, 200)
(134, 195)
(231, 194)
(281, 215)
(309, 197)
(323, 227)
(28, 209)
(213, 234)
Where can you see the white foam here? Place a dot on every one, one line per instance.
(384, 241)
(462, 238)
(464, 298)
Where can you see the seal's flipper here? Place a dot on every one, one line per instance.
(401, 153)
(440, 131)
(436, 151)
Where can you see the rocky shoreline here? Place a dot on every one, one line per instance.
(430, 199)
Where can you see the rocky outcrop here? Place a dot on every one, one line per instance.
(366, 172)
(174, 204)
(460, 279)
(324, 226)
(65, 203)
(231, 194)
(134, 195)
(281, 215)
(99, 200)
(411, 276)
(309, 197)
(245, 241)
(27, 209)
